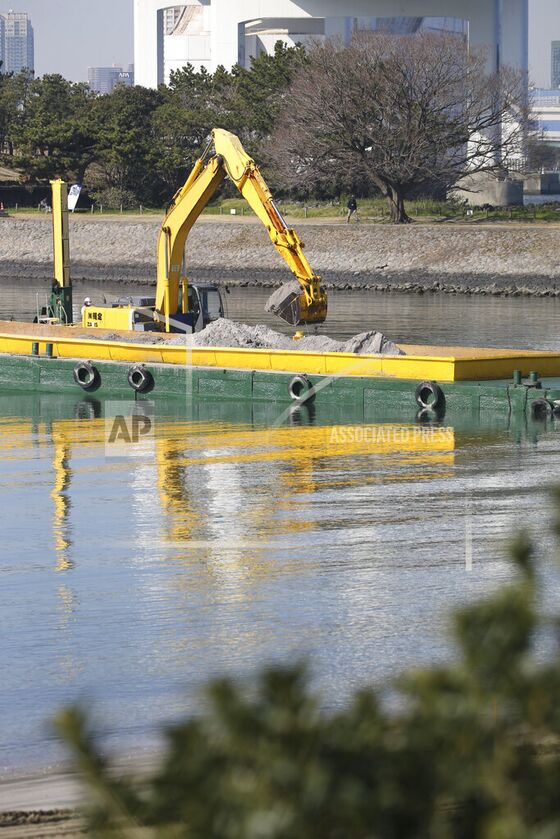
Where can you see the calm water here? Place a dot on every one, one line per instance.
(234, 537)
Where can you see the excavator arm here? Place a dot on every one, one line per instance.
(187, 205)
(301, 302)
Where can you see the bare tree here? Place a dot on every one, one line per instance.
(401, 112)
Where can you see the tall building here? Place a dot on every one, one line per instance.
(105, 79)
(16, 42)
(555, 64)
(207, 33)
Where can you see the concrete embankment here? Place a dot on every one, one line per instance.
(514, 259)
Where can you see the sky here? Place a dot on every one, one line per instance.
(544, 27)
(72, 35)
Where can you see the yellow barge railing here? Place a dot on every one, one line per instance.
(444, 364)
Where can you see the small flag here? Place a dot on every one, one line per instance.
(73, 196)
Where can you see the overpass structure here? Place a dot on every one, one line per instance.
(209, 33)
(546, 112)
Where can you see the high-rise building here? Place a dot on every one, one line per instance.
(16, 42)
(2, 30)
(555, 64)
(105, 79)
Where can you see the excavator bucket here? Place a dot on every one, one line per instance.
(290, 303)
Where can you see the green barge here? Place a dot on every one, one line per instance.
(455, 384)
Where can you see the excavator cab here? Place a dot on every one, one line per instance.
(205, 304)
(136, 312)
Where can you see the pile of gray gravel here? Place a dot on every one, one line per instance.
(228, 333)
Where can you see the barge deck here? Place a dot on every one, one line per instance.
(475, 381)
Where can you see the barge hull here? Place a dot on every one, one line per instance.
(373, 398)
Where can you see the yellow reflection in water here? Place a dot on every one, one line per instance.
(180, 519)
(226, 499)
(60, 494)
(290, 466)
(221, 486)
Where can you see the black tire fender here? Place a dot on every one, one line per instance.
(541, 408)
(300, 388)
(140, 379)
(86, 375)
(424, 391)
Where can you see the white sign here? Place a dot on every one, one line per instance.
(73, 195)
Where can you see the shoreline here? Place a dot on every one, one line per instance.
(509, 259)
(47, 802)
(536, 285)
(40, 804)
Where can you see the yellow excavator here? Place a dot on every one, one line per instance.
(174, 309)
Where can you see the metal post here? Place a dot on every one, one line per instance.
(166, 294)
(61, 297)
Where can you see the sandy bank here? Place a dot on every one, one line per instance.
(40, 824)
(506, 258)
(40, 805)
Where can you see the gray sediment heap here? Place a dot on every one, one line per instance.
(228, 333)
(497, 259)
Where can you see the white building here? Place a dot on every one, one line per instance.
(16, 42)
(207, 33)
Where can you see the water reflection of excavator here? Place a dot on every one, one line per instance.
(297, 461)
(202, 471)
(176, 307)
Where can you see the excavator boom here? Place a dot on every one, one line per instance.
(188, 203)
(308, 303)
(302, 301)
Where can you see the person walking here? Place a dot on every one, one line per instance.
(352, 208)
